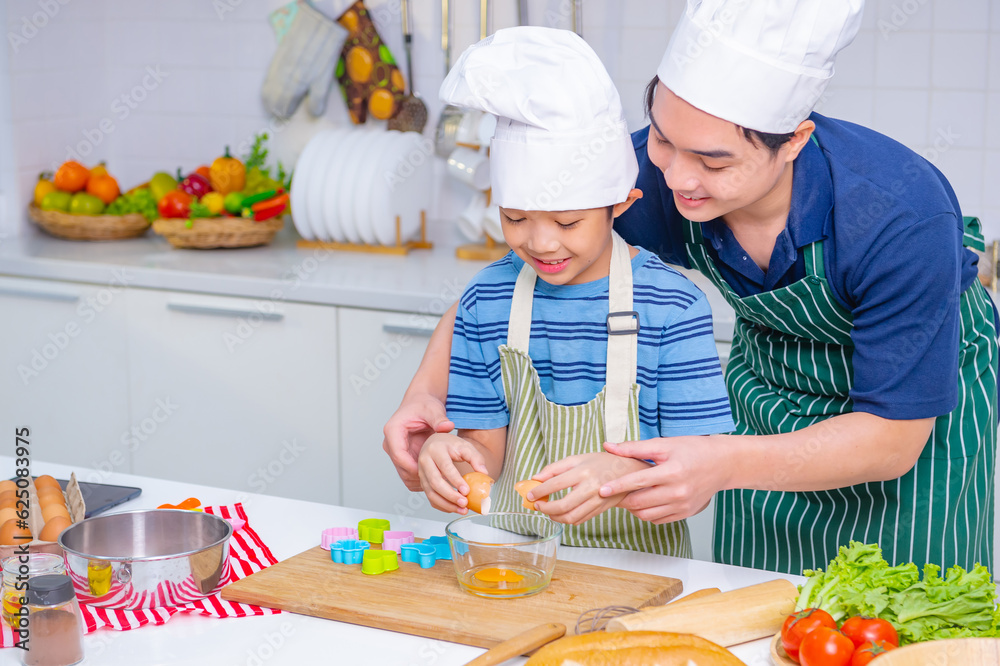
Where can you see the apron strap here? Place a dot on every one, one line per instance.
(623, 338)
(623, 334)
(519, 324)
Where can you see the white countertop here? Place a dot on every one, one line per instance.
(424, 281)
(289, 527)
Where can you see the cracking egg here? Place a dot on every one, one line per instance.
(479, 491)
(522, 488)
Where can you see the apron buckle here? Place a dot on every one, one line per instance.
(617, 330)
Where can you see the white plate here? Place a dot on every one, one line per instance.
(404, 187)
(339, 159)
(314, 188)
(344, 182)
(366, 185)
(300, 186)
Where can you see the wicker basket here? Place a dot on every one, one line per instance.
(88, 227)
(212, 232)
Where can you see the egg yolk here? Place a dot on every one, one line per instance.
(497, 575)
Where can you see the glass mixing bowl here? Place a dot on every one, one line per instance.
(504, 555)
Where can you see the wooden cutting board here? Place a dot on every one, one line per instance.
(429, 602)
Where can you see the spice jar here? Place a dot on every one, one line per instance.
(55, 626)
(17, 569)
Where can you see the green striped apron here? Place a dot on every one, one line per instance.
(541, 432)
(790, 367)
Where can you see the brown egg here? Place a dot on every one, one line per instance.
(48, 496)
(7, 514)
(8, 494)
(479, 491)
(8, 504)
(52, 510)
(53, 527)
(522, 488)
(7, 484)
(12, 535)
(46, 481)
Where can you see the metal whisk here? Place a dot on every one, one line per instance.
(596, 619)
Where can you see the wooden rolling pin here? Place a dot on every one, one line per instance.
(728, 619)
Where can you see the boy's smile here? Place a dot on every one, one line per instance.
(564, 247)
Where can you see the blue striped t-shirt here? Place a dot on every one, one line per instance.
(682, 391)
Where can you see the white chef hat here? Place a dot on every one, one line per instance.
(761, 65)
(561, 141)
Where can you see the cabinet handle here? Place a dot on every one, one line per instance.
(224, 311)
(52, 294)
(415, 331)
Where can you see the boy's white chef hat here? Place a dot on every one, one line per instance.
(561, 141)
(761, 65)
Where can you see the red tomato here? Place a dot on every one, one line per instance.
(824, 646)
(799, 624)
(176, 203)
(861, 629)
(868, 651)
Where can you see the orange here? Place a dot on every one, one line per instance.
(104, 187)
(71, 177)
(99, 170)
(359, 64)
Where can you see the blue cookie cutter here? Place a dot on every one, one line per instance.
(440, 544)
(420, 553)
(348, 551)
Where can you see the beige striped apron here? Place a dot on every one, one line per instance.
(541, 432)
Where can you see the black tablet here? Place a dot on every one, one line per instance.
(99, 497)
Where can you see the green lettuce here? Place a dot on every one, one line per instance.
(860, 582)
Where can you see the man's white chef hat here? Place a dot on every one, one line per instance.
(561, 141)
(761, 65)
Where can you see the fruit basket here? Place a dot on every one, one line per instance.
(88, 227)
(208, 233)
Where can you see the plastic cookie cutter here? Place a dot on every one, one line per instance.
(440, 544)
(349, 551)
(393, 540)
(332, 535)
(191, 504)
(420, 553)
(372, 529)
(379, 561)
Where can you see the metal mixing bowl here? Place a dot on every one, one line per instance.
(147, 559)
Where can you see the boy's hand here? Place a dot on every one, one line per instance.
(440, 478)
(585, 474)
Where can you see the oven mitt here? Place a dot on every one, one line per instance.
(304, 61)
(368, 75)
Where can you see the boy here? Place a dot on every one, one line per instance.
(562, 168)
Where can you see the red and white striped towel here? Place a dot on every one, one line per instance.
(247, 555)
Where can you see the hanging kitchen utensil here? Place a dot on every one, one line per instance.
(412, 115)
(578, 17)
(446, 134)
(522, 12)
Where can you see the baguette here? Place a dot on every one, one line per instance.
(633, 648)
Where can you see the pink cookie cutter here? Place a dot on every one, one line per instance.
(395, 539)
(332, 535)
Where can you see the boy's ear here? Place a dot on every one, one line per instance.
(620, 208)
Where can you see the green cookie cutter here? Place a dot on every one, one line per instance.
(379, 561)
(372, 529)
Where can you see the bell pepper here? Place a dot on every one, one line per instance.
(227, 174)
(195, 184)
(261, 196)
(176, 203)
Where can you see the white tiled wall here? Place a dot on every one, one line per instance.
(926, 72)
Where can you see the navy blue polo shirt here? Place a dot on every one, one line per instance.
(893, 251)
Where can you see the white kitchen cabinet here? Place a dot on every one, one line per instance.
(379, 354)
(64, 371)
(246, 391)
